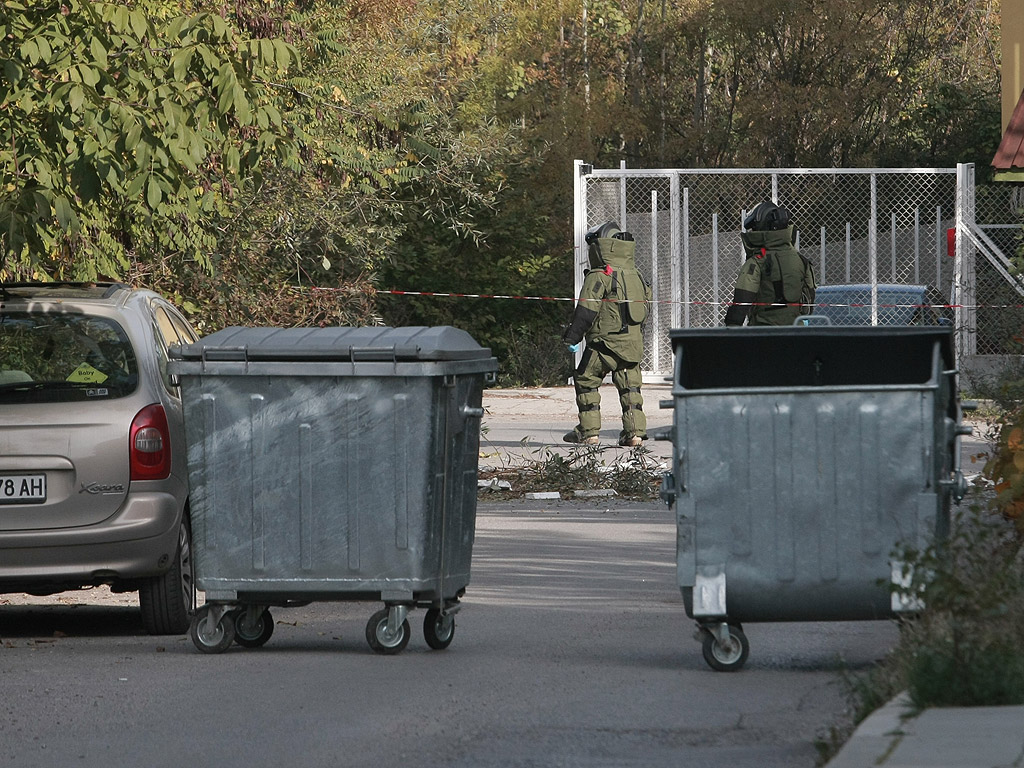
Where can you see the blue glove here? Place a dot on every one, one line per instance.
(574, 348)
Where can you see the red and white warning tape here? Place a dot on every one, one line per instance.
(443, 295)
(701, 303)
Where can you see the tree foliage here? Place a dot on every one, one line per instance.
(690, 83)
(719, 83)
(299, 150)
(383, 150)
(118, 124)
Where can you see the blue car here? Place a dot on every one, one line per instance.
(897, 305)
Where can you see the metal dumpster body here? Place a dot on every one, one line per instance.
(802, 457)
(332, 464)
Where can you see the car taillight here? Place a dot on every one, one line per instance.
(149, 444)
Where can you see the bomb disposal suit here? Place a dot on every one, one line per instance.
(775, 284)
(613, 303)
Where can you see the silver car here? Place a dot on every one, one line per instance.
(896, 304)
(93, 480)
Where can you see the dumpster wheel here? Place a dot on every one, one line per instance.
(252, 631)
(385, 640)
(438, 629)
(212, 629)
(725, 647)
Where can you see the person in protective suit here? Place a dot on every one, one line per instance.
(776, 284)
(613, 302)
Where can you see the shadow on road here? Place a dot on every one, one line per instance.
(56, 621)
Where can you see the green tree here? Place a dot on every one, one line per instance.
(818, 83)
(500, 234)
(120, 125)
(304, 153)
(384, 151)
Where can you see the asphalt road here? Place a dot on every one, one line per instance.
(572, 649)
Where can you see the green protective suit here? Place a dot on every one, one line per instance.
(613, 303)
(775, 285)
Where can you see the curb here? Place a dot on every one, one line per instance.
(876, 737)
(898, 736)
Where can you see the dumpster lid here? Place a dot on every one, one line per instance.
(788, 355)
(369, 344)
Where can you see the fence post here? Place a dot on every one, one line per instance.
(714, 263)
(655, 285)
(623, 225)
(580, 171)
(821, 276)
(848, 248)
(917, 246)
(893, 277)
(966, 322)
(680, 272)
(873, 250)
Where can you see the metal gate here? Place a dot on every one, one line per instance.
(874, 226)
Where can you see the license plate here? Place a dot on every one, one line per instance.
(22, 489)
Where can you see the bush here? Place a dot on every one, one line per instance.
(1006, 468)
(964, 646)
(1005, 430)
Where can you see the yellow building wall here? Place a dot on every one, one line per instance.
(1013, 55)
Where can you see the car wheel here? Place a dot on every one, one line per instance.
(168, 602)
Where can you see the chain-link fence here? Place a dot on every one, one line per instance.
(993, 218)
(863, 226)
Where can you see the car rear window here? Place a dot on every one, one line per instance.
(47, 358)
(852, 306)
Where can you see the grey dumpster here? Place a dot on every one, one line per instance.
(331, 464)
(802, 458)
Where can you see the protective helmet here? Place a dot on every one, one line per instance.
(767, 216)
(608, 229)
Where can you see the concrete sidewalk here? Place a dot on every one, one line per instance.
(954, 737)
(519, 423)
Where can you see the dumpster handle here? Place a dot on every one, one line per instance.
(226, 354)
(374, 354)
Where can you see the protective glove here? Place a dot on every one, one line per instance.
(574, 348)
